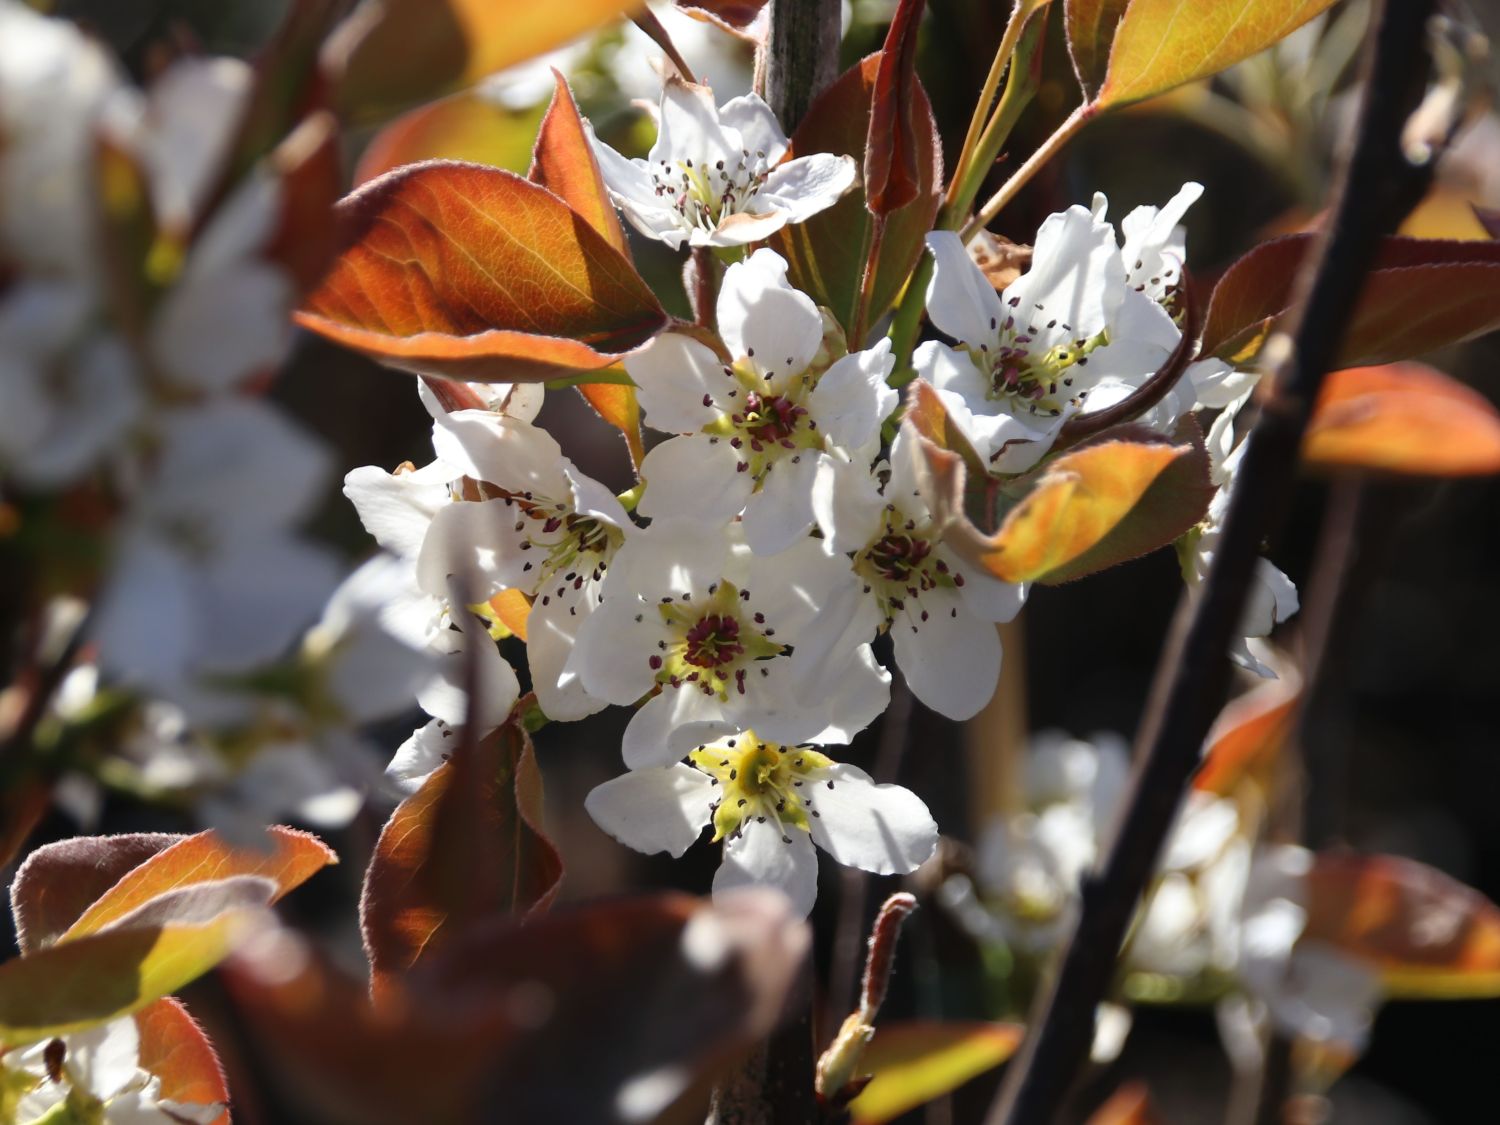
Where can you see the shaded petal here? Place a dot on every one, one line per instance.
(1076, 275)
(670, 724)
(462, 659)
(884, 829)
(397, 508)
(781, 512)
(504, 451)
(477, 541)
(551, 639)
(760, 855)
(416, 758)
(654, 810)
(256, 597)
(757, 126)
(846, 503)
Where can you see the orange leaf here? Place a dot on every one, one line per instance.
(291, 858)
(1129, 1105)
(1090, 27)
(893, 148)
(513, 610)
(1247, 738)
(1159, 44)
(617, 404)
(470, 272)
(915, 1061)
(467, 126)
(175, 1049)
(390, 54)
(564, 164)
(1427, 934)
(1403, 418)
(466, 846)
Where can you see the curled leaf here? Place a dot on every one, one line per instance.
(893, 146)
(563, 162)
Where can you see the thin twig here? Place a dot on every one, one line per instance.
(982, 120)
(1034, 163)
(646, 20)
(1378, 187)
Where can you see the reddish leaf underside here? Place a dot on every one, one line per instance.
(59, 881)
(475, 273)
(824, 252)
(467, 846)
(1403, 418)
(1247, 739)
(1421, 294)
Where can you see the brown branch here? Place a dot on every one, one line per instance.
(1377, 188)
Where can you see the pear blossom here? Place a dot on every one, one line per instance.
(715, 176)
(1087, 324)
(769, 804)
(92, 1075)
(206, 578)
(939, 610)
(709, 631)
(754, 433)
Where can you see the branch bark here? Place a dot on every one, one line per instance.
(802, 56)
(1378, 186)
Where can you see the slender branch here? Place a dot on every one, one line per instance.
(1378, 187)
(802, 56)
(1034, 163)
(646, 20)
(981, 121)
(701, 279)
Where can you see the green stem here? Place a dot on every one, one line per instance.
(874, 237)
(1034, 163)
(1003, 53)
(907, 322)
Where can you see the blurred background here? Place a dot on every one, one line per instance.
(1407, 710)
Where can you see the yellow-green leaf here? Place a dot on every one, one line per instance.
(467, 126)
(1160, 44)
(918, 1060)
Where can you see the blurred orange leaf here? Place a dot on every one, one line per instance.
(1445, 213)
(1159, 44)
(1129, 1105)
(471, 272)
(618, 405)
(1403, 418)
(1420, 295)
(1247, 738)
(1428, 935)
(467, 846)
(466, 126)
(290, 859)
(390, 54)
(513, 610)
(175, 1049)
(915, 1061)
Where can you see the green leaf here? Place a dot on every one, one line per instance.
(1160, 44)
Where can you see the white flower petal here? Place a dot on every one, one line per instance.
(846, 503)
(396, 508)
(960, 299)
(256, 596)
(884, 829)
(654, 810)
(781, 513)
(476, 541)
(757, 126)
(673, 375)
(694, 477)
(951, 661)
(852, 399)
(1076, 276)
(551, 639)
(672, 723)
(802, 187)
(689, 128)
(761, 856)
(464, 658)
(504, 451)
(761, 316)
(416, 758)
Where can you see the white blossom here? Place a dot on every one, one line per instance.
(715, 176)
(708, 629)
(1085, 326)
(754, 432)
(769, 804)
(939, 611)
